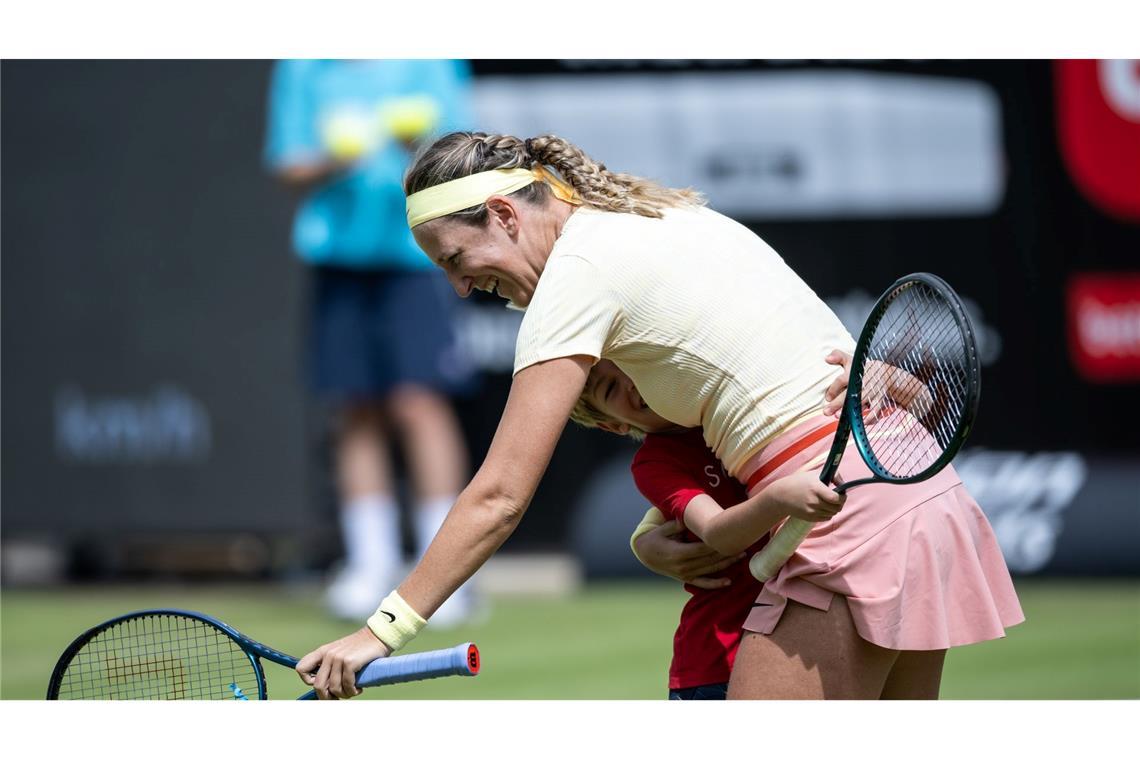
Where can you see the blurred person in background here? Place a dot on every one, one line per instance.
(382, 352)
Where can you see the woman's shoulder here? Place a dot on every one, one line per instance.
(590, 232)
(592, 218)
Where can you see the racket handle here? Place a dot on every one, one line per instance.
(768, 561)
(460, 660)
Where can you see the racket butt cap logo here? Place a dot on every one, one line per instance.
(473, 659)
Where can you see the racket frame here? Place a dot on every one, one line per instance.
(254, 650)
(851, 418)
(851, 422)
(973, 382)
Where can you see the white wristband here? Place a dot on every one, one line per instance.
(395, 622)
(653, 518)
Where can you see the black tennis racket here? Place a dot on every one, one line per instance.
(911, 398)
(178, 654)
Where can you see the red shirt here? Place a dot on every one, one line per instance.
(669, 470)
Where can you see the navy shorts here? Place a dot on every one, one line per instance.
(373, 330)
(708, 691)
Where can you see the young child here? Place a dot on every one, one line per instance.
(676, 471)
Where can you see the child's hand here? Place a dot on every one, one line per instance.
(662, 551)
(803, 496)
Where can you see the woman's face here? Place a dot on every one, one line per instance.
(491, 258)
(613, 393)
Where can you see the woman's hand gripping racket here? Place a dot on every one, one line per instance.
(911, 397)
(177, 654)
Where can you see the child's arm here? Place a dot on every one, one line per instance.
(656, 545)
(733, 530)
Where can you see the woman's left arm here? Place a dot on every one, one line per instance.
(483, 517)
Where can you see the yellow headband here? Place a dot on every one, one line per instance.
(465, 192)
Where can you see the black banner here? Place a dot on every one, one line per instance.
(152, 306)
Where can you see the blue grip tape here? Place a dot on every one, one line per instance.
(460, 660)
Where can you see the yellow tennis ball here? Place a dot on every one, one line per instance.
(348, 134)
(411, 117)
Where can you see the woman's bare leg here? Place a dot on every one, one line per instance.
(915, 675)
(812, 654)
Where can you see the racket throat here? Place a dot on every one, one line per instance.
(848, 485)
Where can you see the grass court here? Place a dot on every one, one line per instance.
(1081, 640)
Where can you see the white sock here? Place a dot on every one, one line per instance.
(430, 514)
(370, 526)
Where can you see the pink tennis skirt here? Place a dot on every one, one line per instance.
(919, 564)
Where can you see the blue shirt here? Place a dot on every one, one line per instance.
(357, 220)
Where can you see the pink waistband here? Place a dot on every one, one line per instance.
(785, 446)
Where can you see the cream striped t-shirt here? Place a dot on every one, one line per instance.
(709, 322)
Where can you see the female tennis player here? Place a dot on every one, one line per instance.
(716, 332)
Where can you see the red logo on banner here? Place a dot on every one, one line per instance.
(1098, 124)
(1104, 326)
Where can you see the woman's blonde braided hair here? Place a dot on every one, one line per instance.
(460, 154)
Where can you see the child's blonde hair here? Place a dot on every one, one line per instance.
(589, 416)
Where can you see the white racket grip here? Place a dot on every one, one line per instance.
(768, 561)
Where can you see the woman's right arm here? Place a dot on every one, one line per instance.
(483, 517)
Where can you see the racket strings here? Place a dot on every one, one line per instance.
(916, 380)
(945, 405)
(926, 374)
(160, 657)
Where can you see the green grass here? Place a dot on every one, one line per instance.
(612, 641)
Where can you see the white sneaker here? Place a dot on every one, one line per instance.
(355, 594)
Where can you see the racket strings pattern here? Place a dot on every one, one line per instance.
(160, 657)
(916, 382)
(181, 654)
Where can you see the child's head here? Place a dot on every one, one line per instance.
(611, 402)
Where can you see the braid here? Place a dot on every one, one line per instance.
(603, 189)
(499, 152)
(460, 154)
